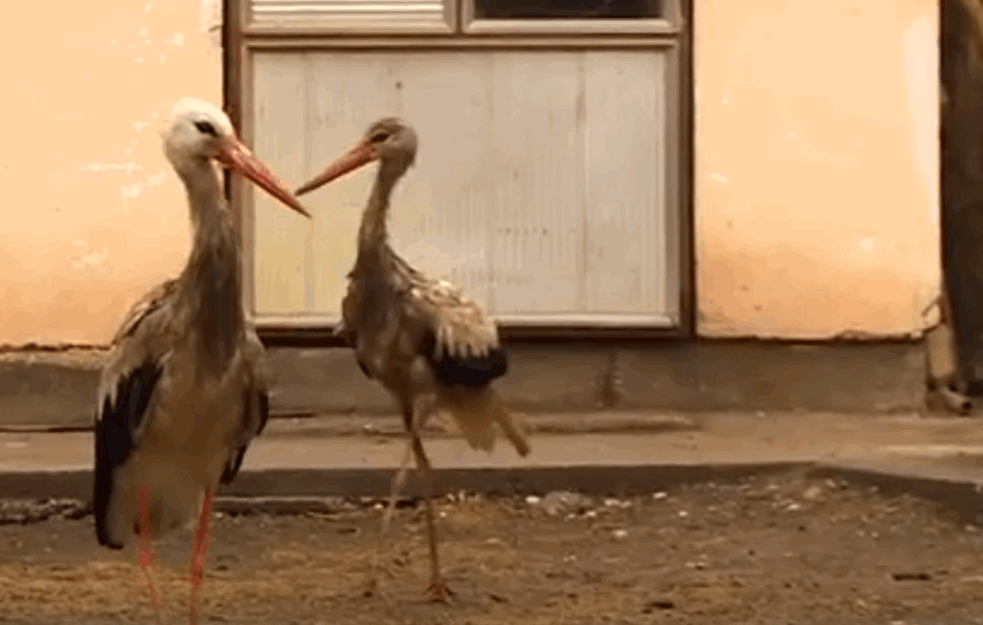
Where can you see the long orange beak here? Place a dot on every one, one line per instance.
(237, 157)
(360, 155)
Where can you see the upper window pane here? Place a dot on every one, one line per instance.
(568, 9)
(354, 15)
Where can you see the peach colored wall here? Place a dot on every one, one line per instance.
(817, 159)
(93, 214)
(816, 172)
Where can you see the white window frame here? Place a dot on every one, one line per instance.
(459, 30)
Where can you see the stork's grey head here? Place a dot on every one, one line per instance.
(198, 131)
(389, 140)
(393, 140)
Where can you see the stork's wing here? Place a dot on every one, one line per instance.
(126, 389)
(462, 339)
(256, 405)
(134, 367)
(461, 326)
(149, 304)
(349, 309)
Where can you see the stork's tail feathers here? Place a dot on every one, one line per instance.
(514, 429)
(479, 414)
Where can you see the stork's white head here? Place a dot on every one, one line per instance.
(198, 131)
(195, 129)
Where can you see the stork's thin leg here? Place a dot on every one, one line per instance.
(395, 486)
(438, 589)
(147, 555)
(199, 548)
(422, 406)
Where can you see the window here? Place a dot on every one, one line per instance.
(549, 179)
(615, 17)
(479, 16)
(567, 9)
(353, 16)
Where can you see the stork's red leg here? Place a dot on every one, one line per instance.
(147, 555)
(198, 550)
(438, 589)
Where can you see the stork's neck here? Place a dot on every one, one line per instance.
(373, 233)
(211, 285)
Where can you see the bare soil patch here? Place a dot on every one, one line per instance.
(771, 550)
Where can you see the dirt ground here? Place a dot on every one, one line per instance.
(775, 550)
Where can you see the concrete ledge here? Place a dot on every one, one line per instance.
(353, 426)
(279, 484)
(59, 394)
(748, 375)
(955, 490)
(342, 426)
(57, 389)
(683, 376)
(295, 492)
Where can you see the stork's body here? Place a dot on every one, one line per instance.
(184, 389)
(434, 349)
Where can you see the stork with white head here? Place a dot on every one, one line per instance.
(199, 131)
(184, 388)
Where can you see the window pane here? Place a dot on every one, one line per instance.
(515, 195)
(341, 14)
(568, 9)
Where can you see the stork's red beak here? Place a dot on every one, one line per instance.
(239, 159)
(360, 155)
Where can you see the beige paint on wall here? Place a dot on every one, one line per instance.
(817, 156)
(94, 215)
(816, 184)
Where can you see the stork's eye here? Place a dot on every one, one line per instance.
(207, 128)
(379, 137)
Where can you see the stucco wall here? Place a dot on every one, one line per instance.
(816, 163)
(817, 185)
(92, 213)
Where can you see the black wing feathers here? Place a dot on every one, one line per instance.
(114, 432)
(472, 372)
(262, 400)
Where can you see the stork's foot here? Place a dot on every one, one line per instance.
(146, 560)
(371, 587)
(148, 557)
(199, 548)
(373, 583)
(197, 576)
(438, 592)
(374, 590)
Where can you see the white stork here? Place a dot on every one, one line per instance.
(183, 391)
(433, 348)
